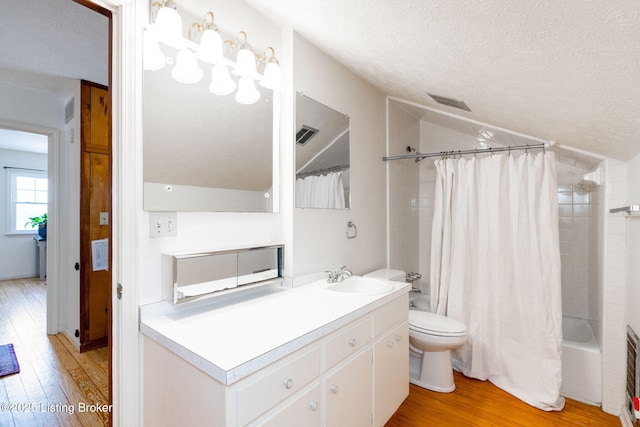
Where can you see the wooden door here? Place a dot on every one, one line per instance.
(95, 215)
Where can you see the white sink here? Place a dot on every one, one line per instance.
(362, 286)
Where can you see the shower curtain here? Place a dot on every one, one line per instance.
(320, 191)
(495, 265)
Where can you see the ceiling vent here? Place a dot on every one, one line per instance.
(450, 102)
(305, 134)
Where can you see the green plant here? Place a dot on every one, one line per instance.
(37, 221)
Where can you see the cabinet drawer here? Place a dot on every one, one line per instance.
(392, 313)
(346, 342)
(300, 411)
(270, 388)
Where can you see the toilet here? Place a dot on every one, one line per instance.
(431, 339)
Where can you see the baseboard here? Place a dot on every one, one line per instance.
(72, 339)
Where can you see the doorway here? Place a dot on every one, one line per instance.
(27, 75)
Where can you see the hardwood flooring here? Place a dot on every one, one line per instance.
(56, 385)
(480, 403)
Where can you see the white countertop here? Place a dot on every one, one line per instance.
(232, 341)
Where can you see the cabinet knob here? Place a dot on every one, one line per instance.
(390, 344)
(313, 405)
(334, 389)
(288, 383)
(398, 337)
(352, 342)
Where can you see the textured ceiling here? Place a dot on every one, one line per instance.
(55, 39)
(558, 70)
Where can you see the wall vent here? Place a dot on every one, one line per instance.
(449, 102)
(69, 110)
(633, 371)
(305, 134)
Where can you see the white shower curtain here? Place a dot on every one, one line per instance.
(495, 265)
(320, 191)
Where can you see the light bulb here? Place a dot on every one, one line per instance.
(246, 65)
(272, 78)
(186, 69)
(247, 92)
(153, 59)
(221, 82)
(169, 27)
(210, 48)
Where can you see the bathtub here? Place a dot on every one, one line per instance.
(581, 362)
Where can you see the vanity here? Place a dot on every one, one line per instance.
(303, 356)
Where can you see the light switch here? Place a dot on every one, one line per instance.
(104, 218)
(163, 224)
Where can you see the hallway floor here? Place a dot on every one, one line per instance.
(55, 381)
(480, 403)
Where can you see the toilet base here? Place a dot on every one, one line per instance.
(431, 386)
(432, 371)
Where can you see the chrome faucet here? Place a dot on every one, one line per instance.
(338, 275)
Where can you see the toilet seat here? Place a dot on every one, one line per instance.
(435, 324)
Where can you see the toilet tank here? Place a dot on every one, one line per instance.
(388, 274)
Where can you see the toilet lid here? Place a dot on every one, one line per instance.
(435, 324)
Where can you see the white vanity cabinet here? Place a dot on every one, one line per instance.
(355, 375)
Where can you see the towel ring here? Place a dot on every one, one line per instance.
(351, 225)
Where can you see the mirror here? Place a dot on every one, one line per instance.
(322, 156)
(204, 152)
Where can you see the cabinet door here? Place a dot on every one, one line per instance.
(391, 372)
(347, 392)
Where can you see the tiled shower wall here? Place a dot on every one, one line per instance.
(404, 186)
(580, 243)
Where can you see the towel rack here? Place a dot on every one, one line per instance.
(628, 210)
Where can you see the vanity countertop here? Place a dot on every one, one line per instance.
(232, 341)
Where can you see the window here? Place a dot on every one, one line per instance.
(28, 195)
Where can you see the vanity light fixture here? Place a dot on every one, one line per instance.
(210, 51)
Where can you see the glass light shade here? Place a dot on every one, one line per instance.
(247, 92)
(153, 59)
(221, 82)
(246, 65)
(169, 27)
(186, 69)
(272, 77)
(210, 48)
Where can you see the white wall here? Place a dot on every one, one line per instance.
(17, 252)
(319, 235)
(632, 297)
(614, 277)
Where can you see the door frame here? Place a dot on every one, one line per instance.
(53, 224)
(125, 87)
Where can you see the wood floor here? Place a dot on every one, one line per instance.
(480, 403)
(56, 384)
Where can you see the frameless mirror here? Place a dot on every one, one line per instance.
(204, 152)
(322, 156)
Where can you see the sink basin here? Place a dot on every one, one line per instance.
(362, 286)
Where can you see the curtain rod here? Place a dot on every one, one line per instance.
(421, 156)
(24, 169)
(321, 171)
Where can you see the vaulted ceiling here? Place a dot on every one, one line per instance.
(567, 71)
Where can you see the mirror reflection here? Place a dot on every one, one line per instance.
(204, 152)
(322, 156)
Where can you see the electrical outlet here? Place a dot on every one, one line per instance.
(163, 224)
